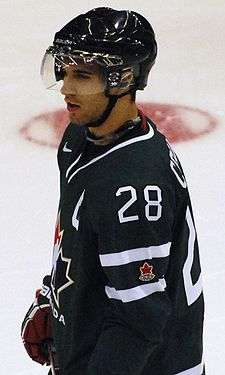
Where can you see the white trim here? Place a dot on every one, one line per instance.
(75, 219)
(24, 328)
(72, 165)
(117, 147)
(193, 291)
(134, 255)
(136, 293)
(56, 292)
(197, 370)
(33, 311)
(32, 314)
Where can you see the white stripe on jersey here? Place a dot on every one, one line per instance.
(197, 370)
(35, 308)
(136, 293)
(193, 291)
(117, 147)
(72, 165)
(134, 255)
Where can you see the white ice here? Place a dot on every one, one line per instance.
(189, 71)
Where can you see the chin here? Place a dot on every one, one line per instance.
(74, 120)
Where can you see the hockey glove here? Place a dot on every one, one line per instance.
(36, 330)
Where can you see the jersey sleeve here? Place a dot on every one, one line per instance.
(135, 230)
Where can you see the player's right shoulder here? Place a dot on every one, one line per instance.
(71, 143)
(72, 135)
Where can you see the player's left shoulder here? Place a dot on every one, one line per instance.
(163, 157)
(144, 153)
(145, 146)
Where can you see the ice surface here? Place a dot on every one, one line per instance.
(189, 71)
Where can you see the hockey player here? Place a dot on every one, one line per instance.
(125, 288)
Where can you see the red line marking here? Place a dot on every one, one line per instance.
(179, 123)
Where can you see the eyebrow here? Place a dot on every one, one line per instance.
(82, 71)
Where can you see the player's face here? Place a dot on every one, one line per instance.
(83, 88)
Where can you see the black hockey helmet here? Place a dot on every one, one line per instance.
(117, 40)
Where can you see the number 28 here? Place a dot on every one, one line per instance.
(149, 203)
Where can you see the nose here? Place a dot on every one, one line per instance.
(68, 87)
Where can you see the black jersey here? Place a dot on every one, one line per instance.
(126, 279)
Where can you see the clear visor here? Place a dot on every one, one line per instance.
(79, 72)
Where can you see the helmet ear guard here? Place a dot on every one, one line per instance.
(127, 78)
(121, 78)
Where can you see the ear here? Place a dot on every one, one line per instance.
(127, 79)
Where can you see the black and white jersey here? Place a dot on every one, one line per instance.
(126, 279)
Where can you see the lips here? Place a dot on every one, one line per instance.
(72, 107)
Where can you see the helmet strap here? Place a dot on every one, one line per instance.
(111, 104)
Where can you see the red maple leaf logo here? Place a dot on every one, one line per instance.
(146, 268)
(146, 272)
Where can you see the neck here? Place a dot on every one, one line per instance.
(124, 110)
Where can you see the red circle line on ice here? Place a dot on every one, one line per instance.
(178, 123)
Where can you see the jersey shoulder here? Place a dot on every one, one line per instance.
(71, 145)
(143, 156)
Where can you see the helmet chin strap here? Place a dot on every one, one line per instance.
(111, 104)
(103, 117)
